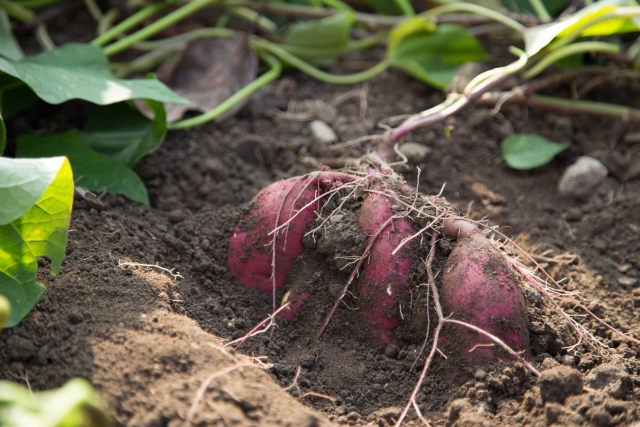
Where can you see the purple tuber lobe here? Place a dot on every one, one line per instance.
(384, 277)
(250, 253)
(480, 287)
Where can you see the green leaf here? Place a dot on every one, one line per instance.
(526, 151)
(9, 47)
(40, 231)
(319, 41)
(3, 134)
(22, 183)
(81, 71)
(432, 56)
(123, 134)
(17, 99)
(553, 6)
(93, 170)
(385, 7)
(76, 404)
(539, 37)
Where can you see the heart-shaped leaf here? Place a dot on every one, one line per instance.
(40, 231)
(94, 171)
(81, 71)
(122, 133)
(429, 55)
(527, 151)
(319, 41)
(9, 47)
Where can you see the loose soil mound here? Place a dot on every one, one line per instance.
(148, 339)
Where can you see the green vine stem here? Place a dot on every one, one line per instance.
(250, 15)
(561, 105)
(361, 44)
(306, 68)
(128, 23)
(16, 11)
(275, 68)
(35, 4)
(338, 5)
(157, 26)
(184, 37)
(565, 51)
(405, 7)
(478, 10)
(541, 11)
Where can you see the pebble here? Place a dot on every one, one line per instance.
(19, 348)
(559, 382)
(392, 351)
(624, 268)
(415, 153)
(579, 179)
(322, 132)
(627, 281)
(611, 379)
(480, 375)
(631, 138)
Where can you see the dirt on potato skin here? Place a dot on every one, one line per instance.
(147, 340)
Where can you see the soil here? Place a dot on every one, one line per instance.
(148, 337)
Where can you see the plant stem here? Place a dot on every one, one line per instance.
(128, 23)
(541, 11)
(361, 44)
(275, 68)
(314, 72)
(16, 11)
(94, 10)
(479, 10)
(107, 20)
(338, 5)
(405, 7)
(250, 15)
(561, 105)
(34, 4)
(159, 25)
(43, 38)
(565, 51)
(184, 37)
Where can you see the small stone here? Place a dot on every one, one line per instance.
(336, 218)
(415, 153)
(307, 362)
(215, 168)
(480, 375)
(579, 179)
(573, 214)
(624, 268)
(75, 318)
(631, 138)
(600, 245)
(322, 132)
(392, 351)
(560, 382)
(627, 281)
(176, 216)
(19, 348)
(568, 360)
(353, 416)
(613, 380)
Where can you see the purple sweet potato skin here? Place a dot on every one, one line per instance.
(384, 277)
(249, 256)
(479, 287)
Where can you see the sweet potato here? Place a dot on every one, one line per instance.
(479, 287)
(384, 277)
(250, 253)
